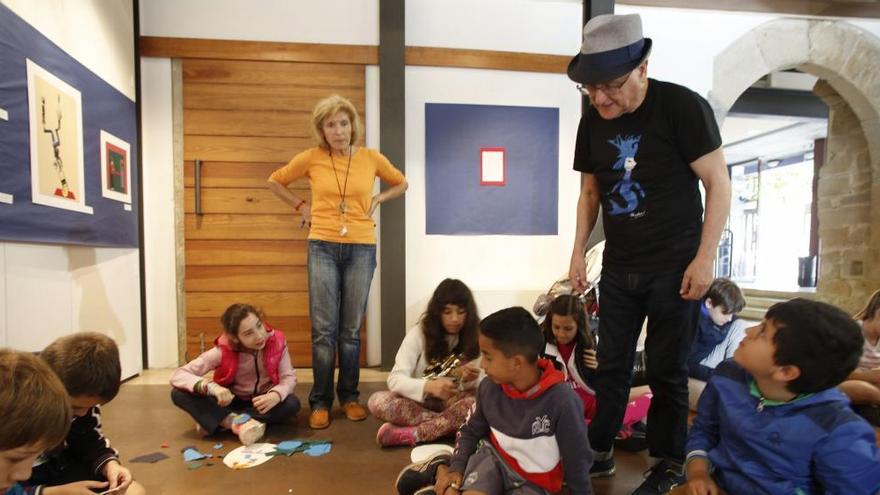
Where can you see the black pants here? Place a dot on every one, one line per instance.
(627, 298)
(205, 410)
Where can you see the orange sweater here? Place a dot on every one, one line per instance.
(366, 165)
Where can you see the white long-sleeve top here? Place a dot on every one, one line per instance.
(407, 378)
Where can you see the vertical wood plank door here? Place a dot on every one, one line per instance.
(243, 120)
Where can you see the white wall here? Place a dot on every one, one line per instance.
(53, 290)
(159, 228)
(351, 22)
(547, 27)
(500, 270)
(98, 33)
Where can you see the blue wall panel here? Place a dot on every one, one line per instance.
(456, 202)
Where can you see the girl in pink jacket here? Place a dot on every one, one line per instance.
(252, 383)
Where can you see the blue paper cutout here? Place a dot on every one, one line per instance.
(193, 455)
(319, 450)
(288, 445)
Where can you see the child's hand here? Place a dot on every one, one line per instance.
(263, 403)
(447, 481)
(701, 485)
(469, 373)
(78, 488)
(699, 482)
(442, 388)
(118, 476)
(222, 394)
(590, 359)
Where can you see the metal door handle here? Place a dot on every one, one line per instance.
(198, 184)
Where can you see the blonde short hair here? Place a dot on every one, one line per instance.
(33, 402)
(327, 108)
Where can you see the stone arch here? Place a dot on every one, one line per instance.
(840, 54)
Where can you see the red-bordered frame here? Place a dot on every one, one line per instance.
(503, 180)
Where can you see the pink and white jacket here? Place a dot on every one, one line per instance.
(254, 373)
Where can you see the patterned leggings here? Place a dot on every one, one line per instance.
(430, 425)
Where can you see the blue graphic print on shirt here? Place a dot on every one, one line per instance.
(626, 193)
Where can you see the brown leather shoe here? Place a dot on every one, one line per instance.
(319, 419)
(354, 411)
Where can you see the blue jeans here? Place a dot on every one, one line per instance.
(339, 283)
(626, 299)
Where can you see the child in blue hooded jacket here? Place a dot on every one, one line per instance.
(772, 421)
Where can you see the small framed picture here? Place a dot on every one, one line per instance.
(115, 169)
(492, 167)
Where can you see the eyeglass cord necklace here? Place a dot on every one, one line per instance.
(342, 190)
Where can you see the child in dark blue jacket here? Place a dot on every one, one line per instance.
(771, 420)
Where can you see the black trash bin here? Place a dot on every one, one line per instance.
(807, 271)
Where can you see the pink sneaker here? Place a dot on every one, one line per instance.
(390, 435)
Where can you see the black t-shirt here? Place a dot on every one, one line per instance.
(652, 210)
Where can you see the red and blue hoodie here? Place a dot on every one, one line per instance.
(523, 427)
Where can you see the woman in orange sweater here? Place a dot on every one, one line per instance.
(341, 245)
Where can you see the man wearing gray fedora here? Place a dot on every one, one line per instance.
(643, 147)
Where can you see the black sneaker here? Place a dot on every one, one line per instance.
(602, 468)
(428, 490)
(661, 478)
(419, 476)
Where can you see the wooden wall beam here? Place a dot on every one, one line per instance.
(192, 48)
(273, 51)
(486, 59)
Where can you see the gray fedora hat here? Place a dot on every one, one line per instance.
(613, 45)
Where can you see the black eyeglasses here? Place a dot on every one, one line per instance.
(609, 88)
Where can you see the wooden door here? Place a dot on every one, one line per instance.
(243, 120)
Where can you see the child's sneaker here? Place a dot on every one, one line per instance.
(419, 476)
(390, 435)
(661, 478)
(603, 464)
(632, 438)
(249, 430)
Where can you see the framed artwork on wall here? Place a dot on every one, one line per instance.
(56, 141)
(115, 172)
(491, 170)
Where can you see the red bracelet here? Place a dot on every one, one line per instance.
(297, 207)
